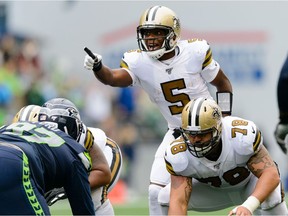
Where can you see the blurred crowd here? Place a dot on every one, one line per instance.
(123, 113)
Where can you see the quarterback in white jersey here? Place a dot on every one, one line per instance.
(172, 72)
(219, 163)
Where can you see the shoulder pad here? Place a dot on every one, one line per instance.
(100, 137)
(130, 59)
(175, 157)
(200, 49)
(246, 138)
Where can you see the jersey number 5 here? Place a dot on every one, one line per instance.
(182, 98)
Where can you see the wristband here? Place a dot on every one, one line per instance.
(224, 100)
(251, 204)
(97, 66)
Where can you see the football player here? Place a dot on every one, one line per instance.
(219, 163)
(113, 156)
(281, 132)
(90, 138)
(36, 157)
(172, 72)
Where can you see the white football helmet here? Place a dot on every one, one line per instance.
(159, 17)
(199, 117)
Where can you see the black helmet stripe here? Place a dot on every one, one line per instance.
(152, 13)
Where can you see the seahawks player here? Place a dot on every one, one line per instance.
(281, 131)
(172, 72)
(113, 155)
(37, 157)
(218, 163)
(91, 138)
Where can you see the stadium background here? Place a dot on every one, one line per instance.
(44, 42)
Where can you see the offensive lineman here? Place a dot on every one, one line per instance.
(172, 72)
(113, 156)
(219, 163)
(91, 138)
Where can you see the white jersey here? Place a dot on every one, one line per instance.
(113, 156)
(240, 140)
(172, 85)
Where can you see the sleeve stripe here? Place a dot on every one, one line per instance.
(89, 140)
(123, 64)
(116, 163)
(208, 58)
(257, 140)
(169, 168)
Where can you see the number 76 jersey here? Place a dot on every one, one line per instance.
(240, 140)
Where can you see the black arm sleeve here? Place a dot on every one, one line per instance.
(282, 93)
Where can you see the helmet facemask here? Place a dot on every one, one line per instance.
(169, 42)
(201, 149)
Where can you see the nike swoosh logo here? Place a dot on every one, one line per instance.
(253, 130)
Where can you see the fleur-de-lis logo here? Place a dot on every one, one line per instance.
(176, 23)
(216, 113)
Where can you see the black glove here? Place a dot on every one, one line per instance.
(54, 195)
(280, 133)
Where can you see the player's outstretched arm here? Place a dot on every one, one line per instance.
(113, 77)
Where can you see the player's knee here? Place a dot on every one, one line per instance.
(279, 209)
(164, 196)
(154, 192)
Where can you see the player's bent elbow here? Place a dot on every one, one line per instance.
(99, 178)
(273, 175)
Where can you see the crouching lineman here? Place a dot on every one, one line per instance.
(219, 163)
(55, 111)
(35, 157)
(113, 156)
(89, 138)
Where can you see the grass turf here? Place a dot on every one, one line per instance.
(136, 207)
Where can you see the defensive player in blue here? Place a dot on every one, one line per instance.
(281, 132)
(37, 157)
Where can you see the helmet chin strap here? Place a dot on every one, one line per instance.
(157, 53)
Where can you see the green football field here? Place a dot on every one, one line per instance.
(137, 207)
(133, 207)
